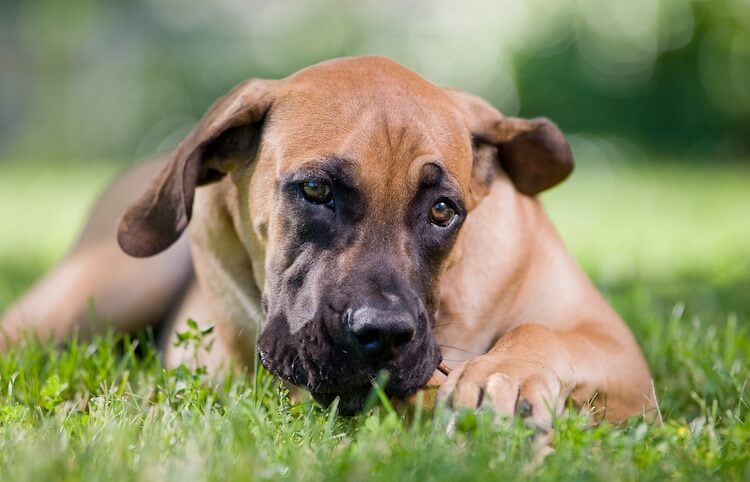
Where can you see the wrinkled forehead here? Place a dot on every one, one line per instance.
(386, 124)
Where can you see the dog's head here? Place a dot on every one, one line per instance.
(355, 176)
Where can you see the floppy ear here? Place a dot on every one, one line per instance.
(227, 135)
(534, 152)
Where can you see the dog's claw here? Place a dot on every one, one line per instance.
(525, 408)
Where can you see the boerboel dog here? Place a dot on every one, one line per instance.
(348, 219)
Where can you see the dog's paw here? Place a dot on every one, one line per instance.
(509, 386)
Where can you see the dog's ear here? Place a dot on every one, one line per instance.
(534, 152)
(227, 135)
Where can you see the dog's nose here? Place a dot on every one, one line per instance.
(380, 334)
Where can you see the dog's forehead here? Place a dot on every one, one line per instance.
(383, 117)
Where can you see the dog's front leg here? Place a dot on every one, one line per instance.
(533, 370)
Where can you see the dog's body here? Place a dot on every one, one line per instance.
(354, 218)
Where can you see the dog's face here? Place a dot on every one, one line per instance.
(357, 176)
(370, 191)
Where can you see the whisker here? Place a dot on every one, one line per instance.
(458, 348)
(440, 325)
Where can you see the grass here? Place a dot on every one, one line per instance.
(669, 245)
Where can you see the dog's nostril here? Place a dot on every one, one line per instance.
(369, 340)
(380, 335)
(382, 340)
(402, 339)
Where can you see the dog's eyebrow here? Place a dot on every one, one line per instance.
(435, 175)
(432, 174)
(335, 167)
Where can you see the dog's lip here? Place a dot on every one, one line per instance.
(348, 391)
(365, 388)
(354, 393)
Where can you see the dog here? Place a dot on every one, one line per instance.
(352, 218)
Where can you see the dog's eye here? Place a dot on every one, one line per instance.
(442, 213)
(317, 192)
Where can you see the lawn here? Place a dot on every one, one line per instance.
(668, 244)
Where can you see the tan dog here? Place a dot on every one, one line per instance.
(355, 218)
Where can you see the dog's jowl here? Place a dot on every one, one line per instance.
(349, 219)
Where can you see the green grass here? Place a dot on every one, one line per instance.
(668, 245)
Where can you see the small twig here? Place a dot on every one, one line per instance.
(656, 403)
(444, 369)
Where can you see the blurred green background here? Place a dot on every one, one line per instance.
(86, 79)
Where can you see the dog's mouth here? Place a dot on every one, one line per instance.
(353, 399)
(353, 396)
(325, 362)
(351, 385)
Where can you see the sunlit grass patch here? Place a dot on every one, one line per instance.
(98, 411)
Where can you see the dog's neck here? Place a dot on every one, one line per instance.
(224, 266)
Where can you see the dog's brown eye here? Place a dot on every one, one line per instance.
(317, 192)
(442, 213)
